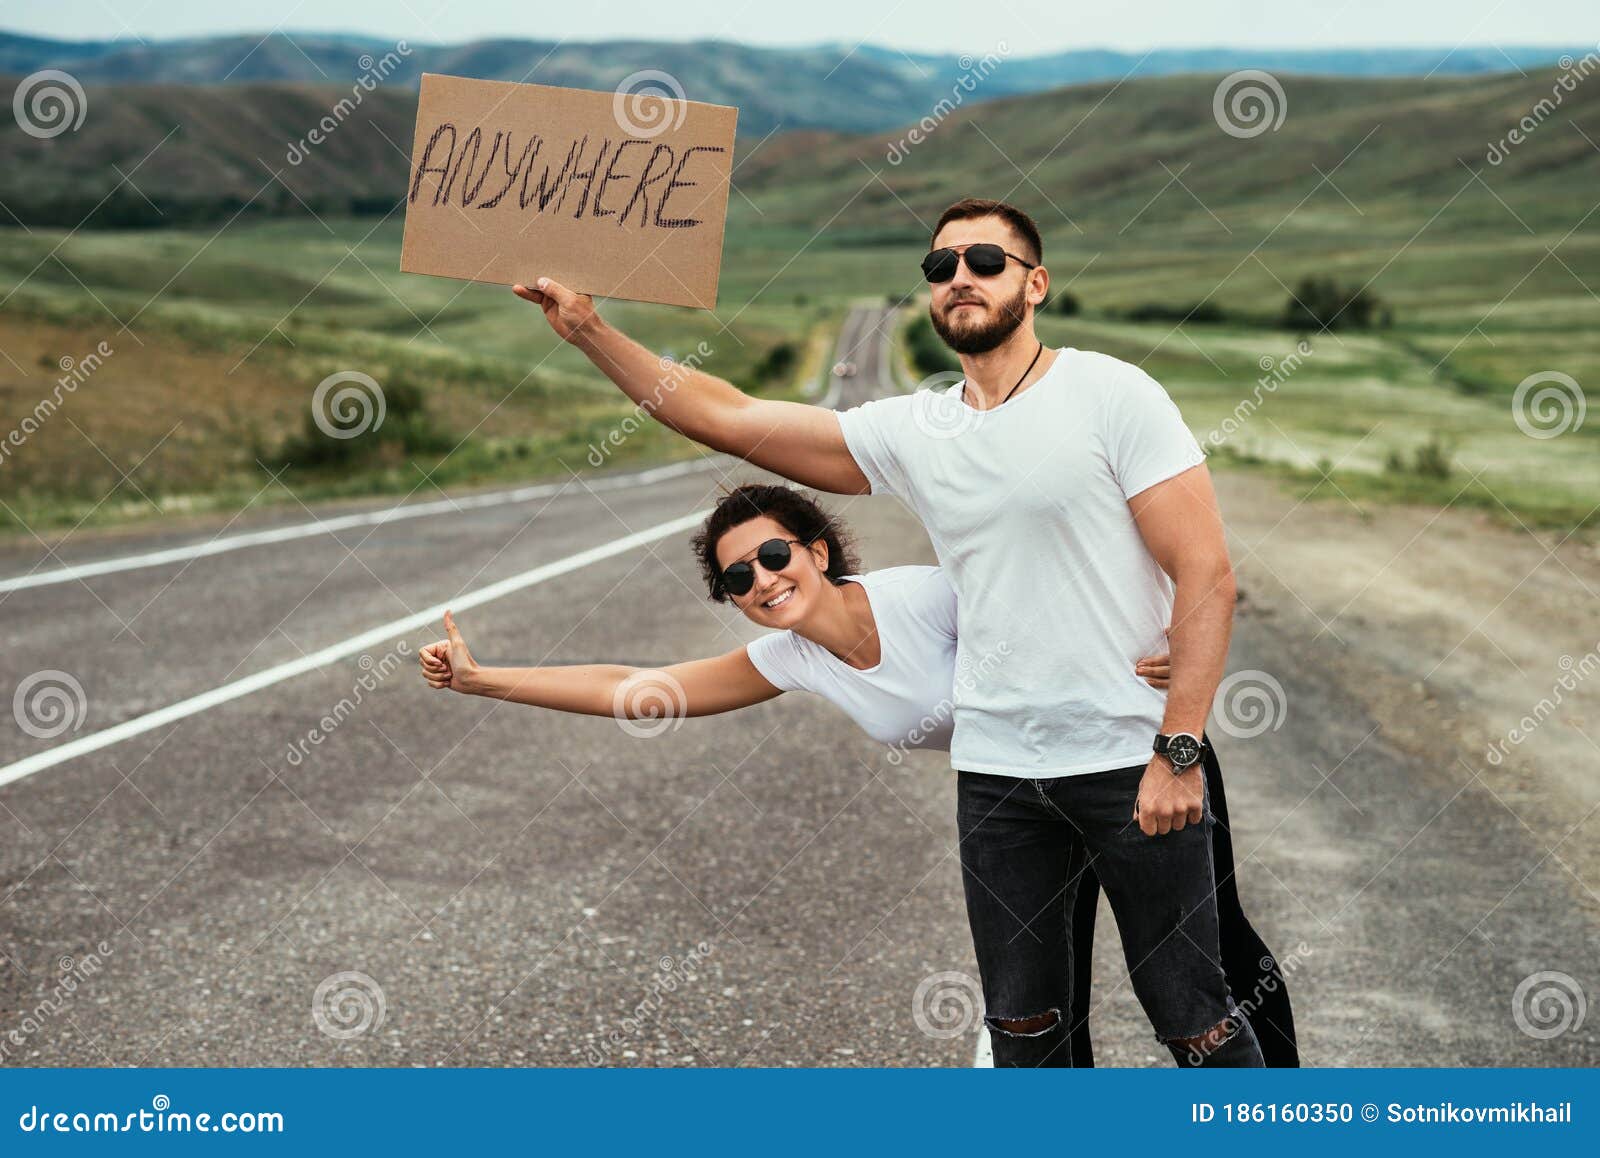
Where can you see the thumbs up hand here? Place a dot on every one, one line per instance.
(448, 663)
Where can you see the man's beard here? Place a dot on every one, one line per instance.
(985, 336)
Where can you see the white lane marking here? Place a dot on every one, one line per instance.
(237, 542)
(381, 634)
(985, 1057)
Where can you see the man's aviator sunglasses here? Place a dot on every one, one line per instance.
(984, 259)
(740, 578)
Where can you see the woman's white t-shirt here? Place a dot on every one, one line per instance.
(905, 699)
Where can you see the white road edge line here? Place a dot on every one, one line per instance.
(381, 634)
(237, 542)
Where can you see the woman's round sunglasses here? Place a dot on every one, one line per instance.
(984, 259)
(740, 578)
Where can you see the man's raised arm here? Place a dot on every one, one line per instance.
(802, 443)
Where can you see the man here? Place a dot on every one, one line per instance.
(1074, 514)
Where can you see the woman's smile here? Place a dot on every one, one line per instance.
(779, 599)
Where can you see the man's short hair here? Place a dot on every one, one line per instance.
(1020, 222)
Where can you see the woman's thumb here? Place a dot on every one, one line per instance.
(450, 626)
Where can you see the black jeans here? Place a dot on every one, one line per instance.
(1026, 845)
(1252, 970)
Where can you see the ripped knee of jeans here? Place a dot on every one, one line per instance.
(1035, 1026)
(1199, 1046)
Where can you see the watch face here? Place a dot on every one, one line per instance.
(1183, 750)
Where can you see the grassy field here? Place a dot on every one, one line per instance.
(218, 340)
(1490, 274)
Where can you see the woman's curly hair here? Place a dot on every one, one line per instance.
(793, 511)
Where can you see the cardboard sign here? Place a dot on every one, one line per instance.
(620, 194)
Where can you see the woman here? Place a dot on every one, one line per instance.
(882, 647)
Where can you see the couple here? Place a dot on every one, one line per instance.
(1074, 519)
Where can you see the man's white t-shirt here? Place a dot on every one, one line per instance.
(1058, 597)
(904, 699)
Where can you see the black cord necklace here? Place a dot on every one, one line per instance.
(1025, 373)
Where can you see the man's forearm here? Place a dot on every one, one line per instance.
(697, 405)
(1202, 624)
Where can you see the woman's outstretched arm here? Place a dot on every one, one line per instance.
(700, 687)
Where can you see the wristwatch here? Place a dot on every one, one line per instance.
(1181, 748)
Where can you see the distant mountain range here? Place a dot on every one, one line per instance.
(849, 88)
(175, 154)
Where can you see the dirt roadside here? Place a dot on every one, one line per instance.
(1465, 640)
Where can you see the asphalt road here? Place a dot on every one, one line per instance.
(342, 867)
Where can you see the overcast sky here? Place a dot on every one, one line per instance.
(1031, 26)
